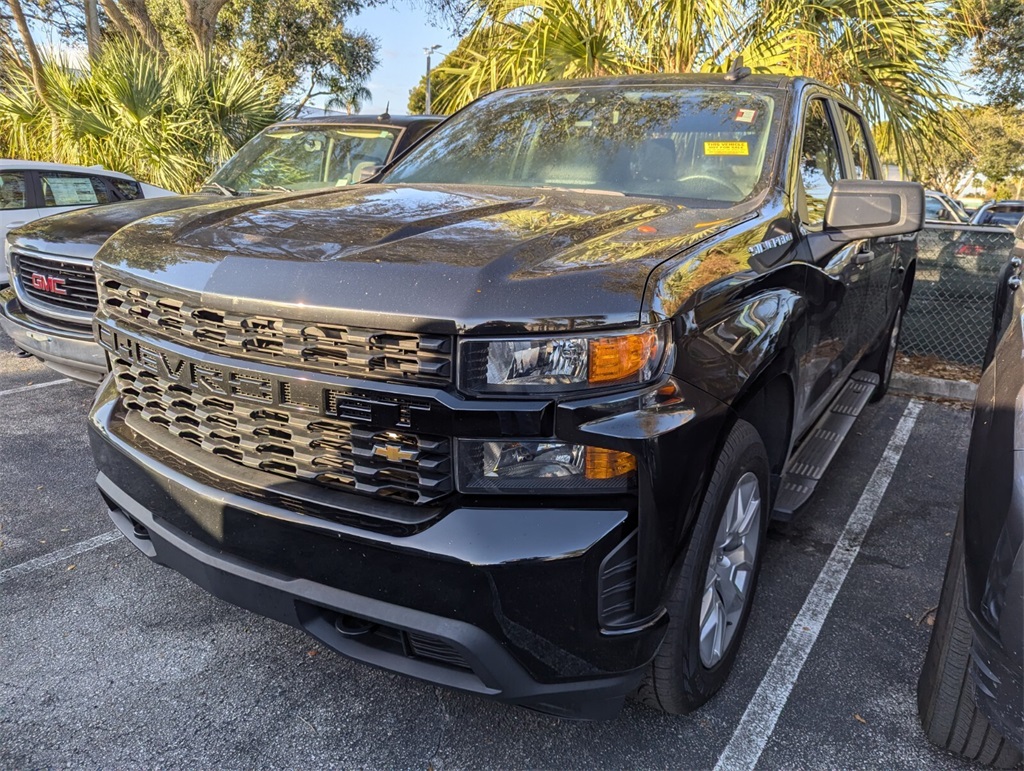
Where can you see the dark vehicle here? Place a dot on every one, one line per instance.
(939, 207)
(971, 691)
(48, 309)
(970, 256)
(1004, 213)
(514, 420)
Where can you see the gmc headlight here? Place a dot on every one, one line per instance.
(541, 466)
(519, 365)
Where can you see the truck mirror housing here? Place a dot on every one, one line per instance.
(868, 208)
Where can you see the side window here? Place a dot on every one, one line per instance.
(933, 209)
(820, 167)
(12, 190)
(863, 164)
(65, 189)
(126, 189)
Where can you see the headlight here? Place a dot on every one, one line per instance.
(559, 364)
(549, 466)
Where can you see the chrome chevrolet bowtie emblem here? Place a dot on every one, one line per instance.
(394, 452)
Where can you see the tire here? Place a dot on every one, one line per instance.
(884, 359)
(679, 681)
(945, 691)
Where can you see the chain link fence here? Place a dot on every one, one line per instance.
(950, 311)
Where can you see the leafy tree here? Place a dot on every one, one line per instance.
(236, 60)
(135, 111)
(998, 59)
(350, 98)
(301, 43)
(993, 149)
(892, 57)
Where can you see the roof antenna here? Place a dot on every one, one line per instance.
(737, 71)
(385, 115)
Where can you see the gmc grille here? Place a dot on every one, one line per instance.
(364, 353)
(341, 454)
(75, 279)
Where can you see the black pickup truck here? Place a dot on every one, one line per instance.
(514, 421)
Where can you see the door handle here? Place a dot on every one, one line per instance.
(863, 257)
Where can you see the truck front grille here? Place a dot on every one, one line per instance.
(342, 454)
(357, 352)
(51, 282)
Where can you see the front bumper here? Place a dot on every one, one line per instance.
(499, 601)
(70, 352)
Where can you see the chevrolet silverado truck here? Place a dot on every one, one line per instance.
(515, 419)
(48, 309)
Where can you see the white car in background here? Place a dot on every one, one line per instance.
(33, 189)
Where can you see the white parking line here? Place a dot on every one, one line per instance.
(34, 386)
(758, 722)
(60, 555)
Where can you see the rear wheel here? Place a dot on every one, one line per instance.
(945, 691)
(711, 596)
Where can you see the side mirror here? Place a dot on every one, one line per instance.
(867, 208)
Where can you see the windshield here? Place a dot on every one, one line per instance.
(703, 143)
(299, 158)
(1002, 215)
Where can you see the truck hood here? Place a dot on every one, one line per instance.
(81, 232)
(427, 258)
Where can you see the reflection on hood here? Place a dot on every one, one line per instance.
(472, 254)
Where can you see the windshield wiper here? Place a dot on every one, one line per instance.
(222, 189)
(271, 189)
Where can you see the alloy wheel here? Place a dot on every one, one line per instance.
(730, 571)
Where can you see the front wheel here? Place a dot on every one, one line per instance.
(711, 596)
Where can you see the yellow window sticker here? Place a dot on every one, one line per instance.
(726, 148)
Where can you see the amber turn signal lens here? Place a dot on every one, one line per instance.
(621, 357)
(607, 464)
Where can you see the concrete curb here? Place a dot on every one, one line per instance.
(918, 385)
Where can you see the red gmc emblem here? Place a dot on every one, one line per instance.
(48, 284)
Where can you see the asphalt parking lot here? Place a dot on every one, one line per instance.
(109, 661)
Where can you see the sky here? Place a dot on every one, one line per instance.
(402, 31)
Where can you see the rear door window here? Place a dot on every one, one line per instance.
(68, 189)
(863, 163)
(1003, 215)
(125, 189)
(12, 190)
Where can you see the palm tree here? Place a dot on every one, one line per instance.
(891, 56)
(351, 98)
(164, 120)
